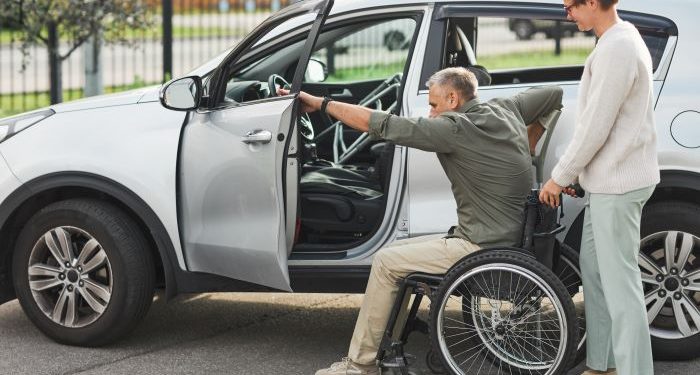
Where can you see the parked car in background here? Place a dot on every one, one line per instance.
(211, 182)
(525, 29)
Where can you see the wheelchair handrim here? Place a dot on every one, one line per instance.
(528, 274)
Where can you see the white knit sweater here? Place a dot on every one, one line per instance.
(613, 150)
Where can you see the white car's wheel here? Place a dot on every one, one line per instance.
(83, 272)
(670, 262)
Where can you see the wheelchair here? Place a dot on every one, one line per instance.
(502, 310)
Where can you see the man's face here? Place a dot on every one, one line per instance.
(582, 14)
(442, 99)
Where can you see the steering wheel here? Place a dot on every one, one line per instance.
(275, 82)
(341, 151)
(306, 129)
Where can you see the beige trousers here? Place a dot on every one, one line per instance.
(429, 254)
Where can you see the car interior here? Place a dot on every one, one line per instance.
(344, 176)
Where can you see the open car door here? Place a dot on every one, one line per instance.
(238, 179)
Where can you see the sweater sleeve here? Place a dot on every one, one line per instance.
(612, 74)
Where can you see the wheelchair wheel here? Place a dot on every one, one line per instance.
(502, 312)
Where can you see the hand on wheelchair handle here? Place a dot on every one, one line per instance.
(574, 190)
(550, 194)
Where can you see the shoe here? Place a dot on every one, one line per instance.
(611, 371)
(348, 367)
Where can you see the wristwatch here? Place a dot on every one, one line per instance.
(324, 104)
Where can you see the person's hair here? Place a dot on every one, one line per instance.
(458, 78)
(605, 4)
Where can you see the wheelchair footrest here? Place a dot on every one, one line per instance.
(398, 361)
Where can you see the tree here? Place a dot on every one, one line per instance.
(49, 22)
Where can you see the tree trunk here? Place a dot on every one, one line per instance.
(56, 90)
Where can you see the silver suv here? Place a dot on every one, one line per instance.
(214, 183)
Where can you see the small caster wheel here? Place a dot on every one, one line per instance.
(432, 359)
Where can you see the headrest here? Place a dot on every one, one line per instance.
(482, 75)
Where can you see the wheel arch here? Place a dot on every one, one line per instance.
(24, 202)
(676, 185)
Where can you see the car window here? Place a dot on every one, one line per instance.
(374, 50)
(529, 50)
(518, 43)
(276, 56)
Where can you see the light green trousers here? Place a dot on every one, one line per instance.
(616, 317)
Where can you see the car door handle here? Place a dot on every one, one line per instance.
(341, 94)
(257, 136)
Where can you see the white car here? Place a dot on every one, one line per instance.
(226, 187)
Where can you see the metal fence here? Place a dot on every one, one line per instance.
(186, 33)
(200, 29)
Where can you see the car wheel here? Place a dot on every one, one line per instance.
(83, 272)
(670, 262)
(394, 40)
(524, 30)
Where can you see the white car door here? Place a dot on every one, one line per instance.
(235, 164)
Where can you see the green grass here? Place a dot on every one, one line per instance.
(185, 32)
(11, 104)
(534, 59)
(493, 62)
(156, 32)
(366, 72)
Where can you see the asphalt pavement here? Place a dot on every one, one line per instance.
(223, 333)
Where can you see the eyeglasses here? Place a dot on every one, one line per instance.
(568, 8)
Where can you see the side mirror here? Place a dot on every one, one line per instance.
(316, 71)
(182, 94)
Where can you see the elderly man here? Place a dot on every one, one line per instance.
(484, 150)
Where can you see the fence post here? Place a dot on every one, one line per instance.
(93, 65)
(330, 59)
(56, 90)
(167, 40)
(557, 38)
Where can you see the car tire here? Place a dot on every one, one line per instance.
(101, 289)
(672, 222)
(524, 30)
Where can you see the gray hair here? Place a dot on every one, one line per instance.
(458, 78)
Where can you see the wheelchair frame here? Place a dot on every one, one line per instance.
(403, 320)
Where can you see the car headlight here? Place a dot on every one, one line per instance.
(15, 124)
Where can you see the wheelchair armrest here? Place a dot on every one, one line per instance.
(557, 230)
(427, 278)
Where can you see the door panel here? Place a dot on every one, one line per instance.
(232, 210)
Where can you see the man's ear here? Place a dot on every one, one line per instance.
(453, 100)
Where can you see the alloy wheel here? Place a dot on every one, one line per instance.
(70, 277)
(670, 265)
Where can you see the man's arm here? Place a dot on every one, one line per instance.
(537, 102)
(427, 134)
(354, 116)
